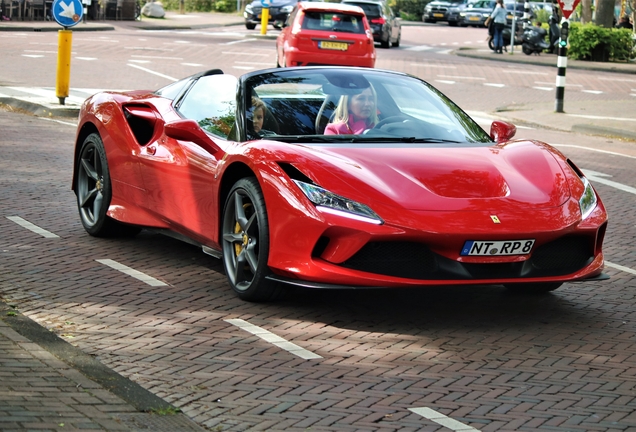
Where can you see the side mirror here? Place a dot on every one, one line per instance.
(189, 130)
(502, 131)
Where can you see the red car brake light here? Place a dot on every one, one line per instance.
(379, 20)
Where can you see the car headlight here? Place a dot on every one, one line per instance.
(427, 8)
(588, 200)
(249, 9)
(287, 9)
(485, 15)
(462, 14)
(336, 204)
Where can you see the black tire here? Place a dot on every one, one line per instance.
(452, 23)
(250, 26)
(533, 288)
(245, 240)
(397, 41)
(491, 44)
(526, 49)
(94, 191)
(386, 43)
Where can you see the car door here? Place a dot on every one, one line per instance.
(180, 176)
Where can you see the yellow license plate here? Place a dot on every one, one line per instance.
(473, 18)
(341, 46)
(438, 15)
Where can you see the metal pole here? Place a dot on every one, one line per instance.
(513, 30)
(562, 63)
(62, 83)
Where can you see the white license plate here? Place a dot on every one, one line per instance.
(340, 46)
(497, 248)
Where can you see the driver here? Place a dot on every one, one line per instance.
(354, 114)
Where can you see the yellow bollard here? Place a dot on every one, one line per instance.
(62, 82)
(264, 20)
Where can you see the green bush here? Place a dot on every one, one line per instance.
(410, 10)
(190, 5)
(586, 40)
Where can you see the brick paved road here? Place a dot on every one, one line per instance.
(479, 355)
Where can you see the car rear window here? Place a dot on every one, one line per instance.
(331, 21)
(370, 10)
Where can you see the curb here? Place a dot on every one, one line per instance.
(40, 110)
(129, 391)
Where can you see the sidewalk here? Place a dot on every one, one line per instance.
(45, 386)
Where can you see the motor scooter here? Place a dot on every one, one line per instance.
(507, 31)
(554, 34)
(534, 40)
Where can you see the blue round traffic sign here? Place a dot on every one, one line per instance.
(67, 13)
(265, 3)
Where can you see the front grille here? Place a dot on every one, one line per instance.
(564, 253)
(413, 260)
(400, 259)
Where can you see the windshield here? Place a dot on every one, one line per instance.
(338, 104)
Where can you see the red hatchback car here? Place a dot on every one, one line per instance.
(325, 34)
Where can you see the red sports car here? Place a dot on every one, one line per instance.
(325, 34)
(335, 177)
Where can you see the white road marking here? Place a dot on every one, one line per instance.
(592, 91)
(140, 61)
(600, 178)
(602, 118)
(273, 339)
(244, 67)
(620, 267)
(33, 55)
(153, 72)
(419, 48)
(494, 85)
(58, 121)
(141, 48)
(86, 58)
(31, 227)
(523, 72)
(596, 150)
(245, 53)
(445, 81)
(192, 64)
(618, 79)
(156, 57)
(461, 77)
(543, 88)
(238, 41)
(131, 272)
(443, 420)
(434, 65)
(254, 63)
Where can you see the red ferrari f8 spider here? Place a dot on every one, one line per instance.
(265, 172)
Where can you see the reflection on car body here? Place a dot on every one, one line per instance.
(423, 197)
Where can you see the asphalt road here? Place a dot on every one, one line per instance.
(451, 358)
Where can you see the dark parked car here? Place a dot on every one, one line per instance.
(444, 10)
(278, 12)
(476, 14)
(386, 27)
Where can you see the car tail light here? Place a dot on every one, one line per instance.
(380, 20)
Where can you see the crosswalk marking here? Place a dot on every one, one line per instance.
(32, 227)
(443, 420)
(131, 272)
(273, 339)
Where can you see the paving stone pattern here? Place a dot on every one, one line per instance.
(487, 358)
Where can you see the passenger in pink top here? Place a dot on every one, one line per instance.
(354, 114)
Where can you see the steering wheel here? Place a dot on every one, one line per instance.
(392, 119)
